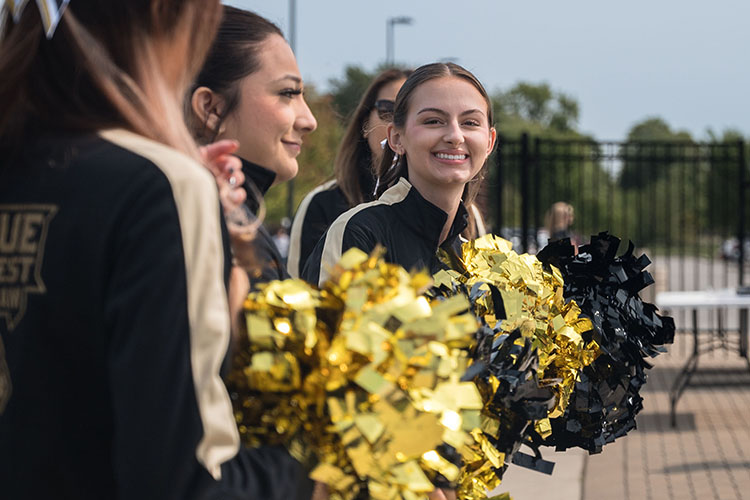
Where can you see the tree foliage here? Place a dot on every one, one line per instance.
(536, 109)
(652, 150)
(346, 92)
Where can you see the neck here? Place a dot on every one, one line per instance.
(446, 198)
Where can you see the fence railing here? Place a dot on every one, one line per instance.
(684, 203)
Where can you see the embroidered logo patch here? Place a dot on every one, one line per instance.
(23, 232)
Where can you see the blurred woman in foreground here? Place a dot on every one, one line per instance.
(113, 308)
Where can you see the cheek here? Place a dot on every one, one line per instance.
(256, 129)
(480, 143)
(423, 143)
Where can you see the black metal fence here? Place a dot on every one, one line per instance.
(684, 203)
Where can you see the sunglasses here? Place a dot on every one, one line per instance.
(384, 107)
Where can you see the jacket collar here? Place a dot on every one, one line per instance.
(427, 220)
(260, 177)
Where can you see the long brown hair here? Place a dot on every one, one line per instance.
(354, 152)
(233, 56)
(389, 176)
(102, 68)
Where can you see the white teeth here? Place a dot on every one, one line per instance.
(444, 156)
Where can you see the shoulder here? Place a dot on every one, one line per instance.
(323, 198)
(379, 213)
(314, 201)
(139, 155)
(369, 221)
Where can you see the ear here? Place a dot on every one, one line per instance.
(208, 107)
(394, 139)
(493, 138)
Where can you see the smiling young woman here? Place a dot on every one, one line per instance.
(250, 90)
(438, 144)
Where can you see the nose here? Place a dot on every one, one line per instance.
(305, 121)
(453, 133)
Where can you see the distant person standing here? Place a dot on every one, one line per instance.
(558, 221)
(281, 238)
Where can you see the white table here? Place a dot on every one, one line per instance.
(704, 299)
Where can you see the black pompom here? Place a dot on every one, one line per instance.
(606, 399)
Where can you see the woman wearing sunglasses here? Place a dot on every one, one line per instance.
(360, 150)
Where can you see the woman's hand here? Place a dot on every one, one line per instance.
(227, 170)
(320, 491)
(442, 495)
(239, 287)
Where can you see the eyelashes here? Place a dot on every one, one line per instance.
(437, 121)
(290, 93)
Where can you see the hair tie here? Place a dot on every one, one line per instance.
(51, 12)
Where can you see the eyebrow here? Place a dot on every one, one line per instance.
(294, 78)
(440, 111)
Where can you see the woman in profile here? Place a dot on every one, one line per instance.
(113, 308)
(250, 90)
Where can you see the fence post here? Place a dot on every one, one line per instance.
(537, 189)
(525, 191)
(499, 183)
(741, 223)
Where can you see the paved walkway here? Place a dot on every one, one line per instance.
(707, 457)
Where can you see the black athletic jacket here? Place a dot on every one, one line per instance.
(316, 213)
(113, 326)
(318, 210)
(268, 264)
(401, 220)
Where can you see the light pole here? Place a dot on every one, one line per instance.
(292, 44)
(390, 49)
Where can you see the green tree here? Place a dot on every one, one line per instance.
(536, 109)
(650, 152)
(346, 93)
(560, 171)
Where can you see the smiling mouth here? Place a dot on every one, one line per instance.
(445, 156)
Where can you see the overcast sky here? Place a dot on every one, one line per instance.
(683, 60)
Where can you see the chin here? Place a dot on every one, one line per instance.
(452, 181)
(287, 172)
